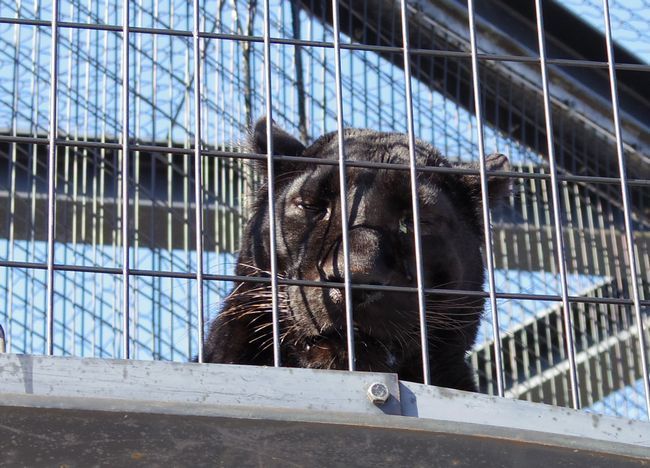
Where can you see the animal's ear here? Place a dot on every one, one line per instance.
(498, 187)
(283, 144)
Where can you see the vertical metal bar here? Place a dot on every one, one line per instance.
(424, 342)
(555, 197)
(85, 179)
(626, 206)
(349, 325)
(11, 176)
(137, 180)
(487, 231)
(271, 184)
(126, 352)
(187, 111)
(100, 195)
(51, 179)
(65, 84)
(198, 177)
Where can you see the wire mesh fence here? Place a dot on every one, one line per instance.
(569, 301)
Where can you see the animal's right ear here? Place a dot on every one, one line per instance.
(283, 144)
(498, 187)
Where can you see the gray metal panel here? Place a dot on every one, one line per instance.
(140, 382)
(95, 404)
(93, 438)
(526, 421)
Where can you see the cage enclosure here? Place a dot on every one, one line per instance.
(126, 181)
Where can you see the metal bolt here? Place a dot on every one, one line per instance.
(378, 393)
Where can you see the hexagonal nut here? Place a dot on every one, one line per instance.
(378, 393)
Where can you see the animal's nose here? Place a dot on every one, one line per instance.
(371, 262)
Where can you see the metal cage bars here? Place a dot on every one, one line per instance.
(629, 234)
(329, 45)
(322, 44)
(321, 284)
(415, 205)
(126, 351)
(554, 177)
(343, 188)
(367, 164)
(198, 175)
(52, 141)
(485, 208)
(557, 216)
(270, 183)
(51, 181)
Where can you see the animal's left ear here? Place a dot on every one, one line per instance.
(498, 187)
(283, 144)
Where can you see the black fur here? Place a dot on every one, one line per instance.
(309, 247)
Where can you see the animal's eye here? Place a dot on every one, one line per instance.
(406, 224)
(311, 206)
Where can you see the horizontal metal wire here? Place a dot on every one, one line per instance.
(329, 45)
(316, 284)
(325, 162)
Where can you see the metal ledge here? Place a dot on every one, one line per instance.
(87, 411)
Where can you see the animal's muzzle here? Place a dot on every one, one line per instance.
(372, 261)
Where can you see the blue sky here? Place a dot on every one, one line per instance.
(629, 20)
